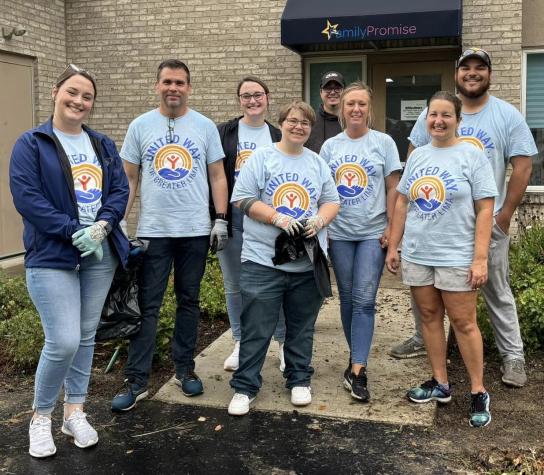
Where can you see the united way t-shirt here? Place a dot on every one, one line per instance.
(86, 172)
(359, 168)
(249, 138)
(174, 193)
(499, 130)
(293, 185)
(442, 185)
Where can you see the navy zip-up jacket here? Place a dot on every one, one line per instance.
(43, 192)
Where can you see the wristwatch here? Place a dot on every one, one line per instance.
(222, 216)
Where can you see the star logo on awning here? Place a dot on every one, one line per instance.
(330, 30)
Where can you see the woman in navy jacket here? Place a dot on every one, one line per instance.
(68, 184)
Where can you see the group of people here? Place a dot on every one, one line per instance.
(248, 190)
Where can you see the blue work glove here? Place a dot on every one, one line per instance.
(219, 235)
(89, 240)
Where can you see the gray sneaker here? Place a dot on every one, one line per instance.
(408, 349)
(79, 428)
(513, 373)
(41, 439)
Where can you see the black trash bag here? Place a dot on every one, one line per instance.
(290, 248)
(121, 315)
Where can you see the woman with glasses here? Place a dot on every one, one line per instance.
(365, 166)
(240, 137)
(68, 184)
(283, 186)
(444, 210)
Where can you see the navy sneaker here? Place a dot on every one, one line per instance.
(127, 398)
(190, 384)
(430, 390)
(479, 415)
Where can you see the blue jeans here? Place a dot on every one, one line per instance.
(188, 254)
(358, 266)
(264, 291)
(70, 304)
(230, 262)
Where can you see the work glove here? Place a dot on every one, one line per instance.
(219, 235)
(314, 224)
(287, 224)
(89, 240)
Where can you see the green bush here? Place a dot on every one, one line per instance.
(21, 334)
(22, 338)
(13, 296)
(527, 283)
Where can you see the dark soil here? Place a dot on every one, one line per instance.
(512, 443)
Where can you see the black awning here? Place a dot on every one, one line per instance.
(308, 23)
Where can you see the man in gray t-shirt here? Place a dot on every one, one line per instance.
(500, 131)
(173, 152)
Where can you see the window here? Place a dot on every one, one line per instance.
(533, 108)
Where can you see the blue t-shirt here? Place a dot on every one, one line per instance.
(359, 168)
(292, 185)
(174, 191)
(249, 138)
(499, 130)
(442, 185)
(86, 172)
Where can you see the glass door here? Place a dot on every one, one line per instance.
(401, 92)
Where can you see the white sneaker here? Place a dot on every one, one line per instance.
(239, 405)
(301, 395)
(281, 357)
(41, 439)
(79, 428)
(233, 361)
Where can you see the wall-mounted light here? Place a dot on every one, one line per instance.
(8, 33)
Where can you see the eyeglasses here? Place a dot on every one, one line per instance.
(330, 90)
(258, 96)
(170, 134)
(305, 124)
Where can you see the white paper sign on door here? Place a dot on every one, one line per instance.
(410, 110)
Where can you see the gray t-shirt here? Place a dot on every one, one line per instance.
(442, 185)
(86, 172)
(174, 193)
(293, 185)
(359, 168)
(499, 130)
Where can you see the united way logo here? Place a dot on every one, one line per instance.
(351, 180)
(428, 193)
(291, 199)
(87, 183)
(473, 141)
(241, 160)
(173, 162)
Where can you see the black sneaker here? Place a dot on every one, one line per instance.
(357, 384)
(190, 384)
(479, 415)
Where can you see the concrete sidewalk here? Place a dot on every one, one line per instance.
(388, 382)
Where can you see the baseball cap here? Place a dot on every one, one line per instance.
(332, 76)
(474, 53)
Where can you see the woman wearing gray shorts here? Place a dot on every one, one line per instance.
(445, 212)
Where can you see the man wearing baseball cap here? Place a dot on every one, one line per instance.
(326, 124)
(497, 128)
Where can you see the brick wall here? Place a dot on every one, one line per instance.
(45, 40)
(495, 25)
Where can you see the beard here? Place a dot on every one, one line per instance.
(473, 93)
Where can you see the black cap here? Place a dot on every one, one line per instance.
(332, 76)
(475, 53)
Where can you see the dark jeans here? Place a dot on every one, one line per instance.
(264, 290)
(189, 258)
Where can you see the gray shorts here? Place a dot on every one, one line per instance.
(453, 279)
